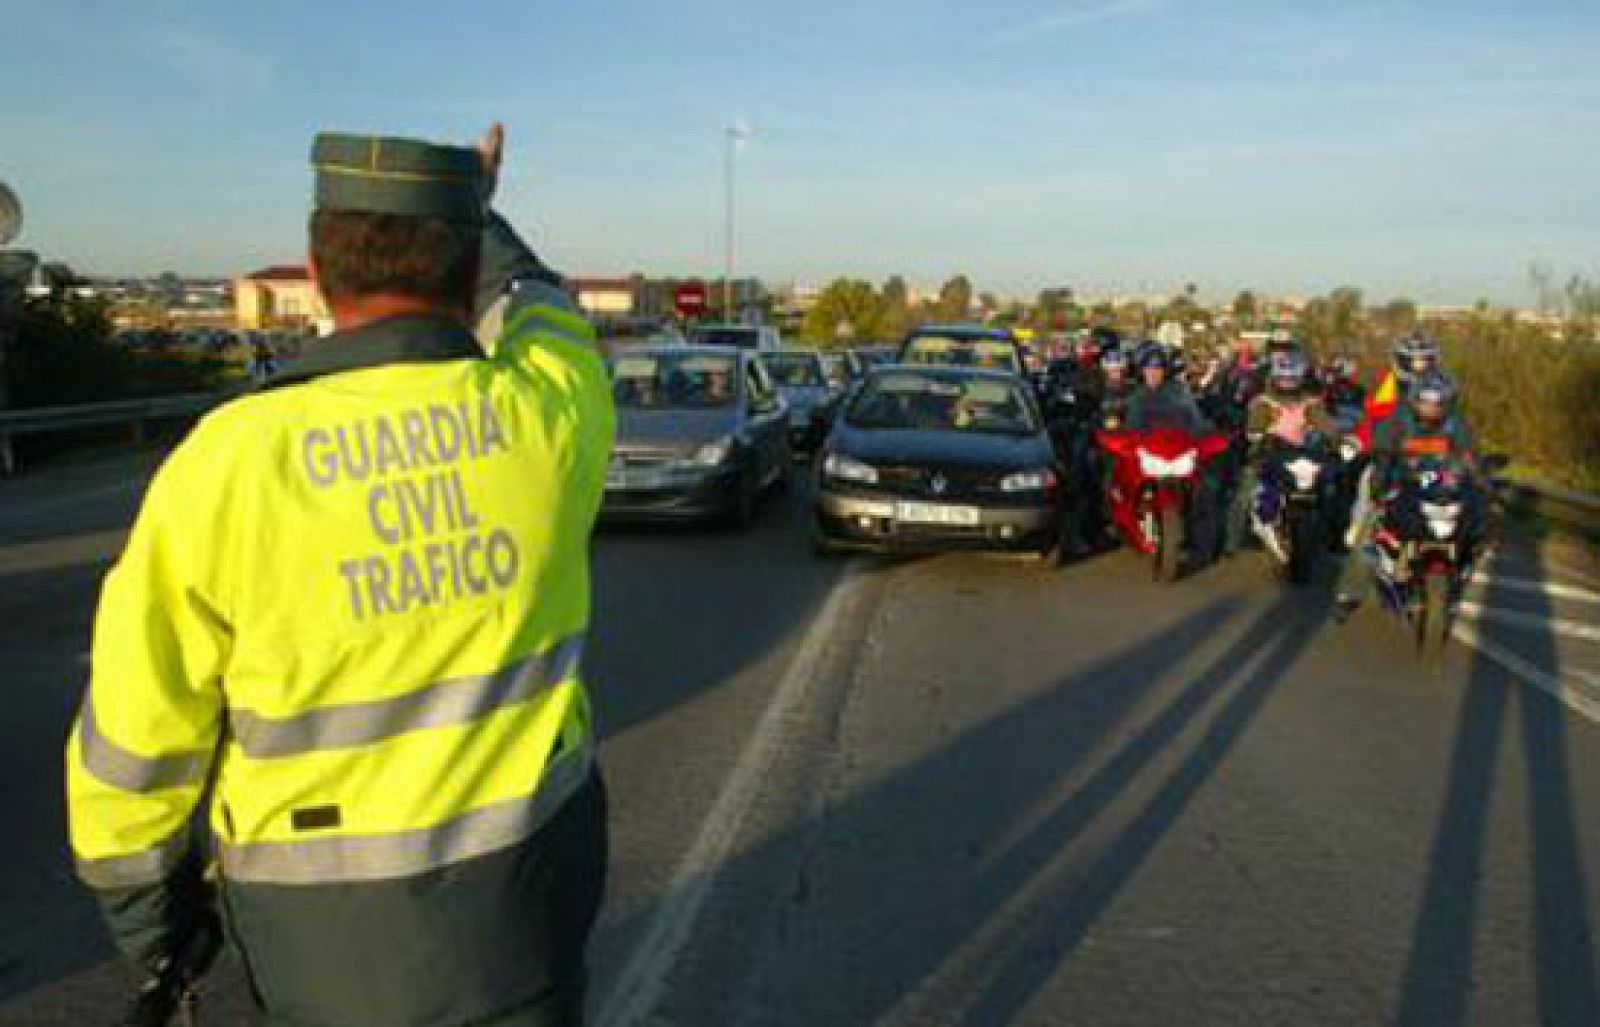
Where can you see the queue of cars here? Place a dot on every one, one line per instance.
(938, 444)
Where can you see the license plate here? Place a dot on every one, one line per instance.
(936, 513)
(645, 478)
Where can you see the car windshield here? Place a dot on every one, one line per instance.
(666, 381)
(947, 351)
(733, 335)
(921, 402)
(795, 370)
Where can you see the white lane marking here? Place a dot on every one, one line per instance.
(643, 979)
(1529, 586)
(76, 499)
(1584, 702)
(1510, 618)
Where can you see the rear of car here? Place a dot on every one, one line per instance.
(925, 458)
(964, 345)
(754, 338)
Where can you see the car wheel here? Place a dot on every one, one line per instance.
(742, 507)
(821, 546)
(784, 482)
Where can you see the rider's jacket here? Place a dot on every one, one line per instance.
(1288, 419)
(1402, 440)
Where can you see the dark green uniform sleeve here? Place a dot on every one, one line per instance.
(507, 260)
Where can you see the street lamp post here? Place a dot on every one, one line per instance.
(733, 135)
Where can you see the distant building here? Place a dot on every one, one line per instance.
(281, 296)
(608, 297)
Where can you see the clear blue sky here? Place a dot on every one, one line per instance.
(1433, 147)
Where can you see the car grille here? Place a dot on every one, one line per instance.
(644, 457)
(961, 482)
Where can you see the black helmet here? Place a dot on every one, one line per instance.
(1114, 358)
(1431, 396)
(1105, 337)
(1152, 354)
(1413, 356)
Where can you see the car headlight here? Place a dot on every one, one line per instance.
(1029, 481)
(848, 468)
(713, 453)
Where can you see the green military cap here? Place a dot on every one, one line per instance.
(390, 175)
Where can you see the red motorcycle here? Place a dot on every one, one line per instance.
(1156, 484)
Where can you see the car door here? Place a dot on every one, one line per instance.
(768, 420)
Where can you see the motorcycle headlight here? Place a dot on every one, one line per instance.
(1305, 473)
(1029, 481)
(713, 453)
(1153, 466)
(848, 468)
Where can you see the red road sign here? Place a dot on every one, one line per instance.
(690, 299)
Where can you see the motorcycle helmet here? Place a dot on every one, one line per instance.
(1105, 337)
(1289, 372)
(1152, 354)
(1432, 395)
(1413, 356)
(1342, 369)
(1281, 341)
(1114, 361)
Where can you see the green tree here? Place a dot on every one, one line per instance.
(848, 310)
(955, 299)
(1246, 309)
(897, 317)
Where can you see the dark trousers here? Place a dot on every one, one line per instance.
(574, 844)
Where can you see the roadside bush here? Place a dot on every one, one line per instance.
(64, 354)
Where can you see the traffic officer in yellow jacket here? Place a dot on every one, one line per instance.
(351, 615)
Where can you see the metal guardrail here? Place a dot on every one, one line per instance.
(1575, 511)
(134, 412)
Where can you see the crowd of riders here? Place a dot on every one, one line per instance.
(1279, 399)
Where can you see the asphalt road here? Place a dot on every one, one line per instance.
(963, 790)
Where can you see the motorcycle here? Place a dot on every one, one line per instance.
(1420, 549)
(1157, 489)
(1287, 510)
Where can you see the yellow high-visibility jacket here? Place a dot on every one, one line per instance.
(354, 605)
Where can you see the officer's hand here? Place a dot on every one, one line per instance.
(491, 151)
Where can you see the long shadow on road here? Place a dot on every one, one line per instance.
(917, 895)
(1439, 976)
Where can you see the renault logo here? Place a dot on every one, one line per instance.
(938, 483)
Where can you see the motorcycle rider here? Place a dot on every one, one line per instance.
(1341, 389)
(1161, 401)
(1427, 425)
(1288, 413)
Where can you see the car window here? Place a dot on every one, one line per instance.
(734, 336)
(920, 402)
(794, 370)
(947, 351)
(664, 381)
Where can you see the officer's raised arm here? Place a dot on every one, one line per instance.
(511, 277)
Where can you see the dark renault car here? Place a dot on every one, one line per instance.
(939, 458)
(701, 432)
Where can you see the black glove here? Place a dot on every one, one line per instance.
(171, 986)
